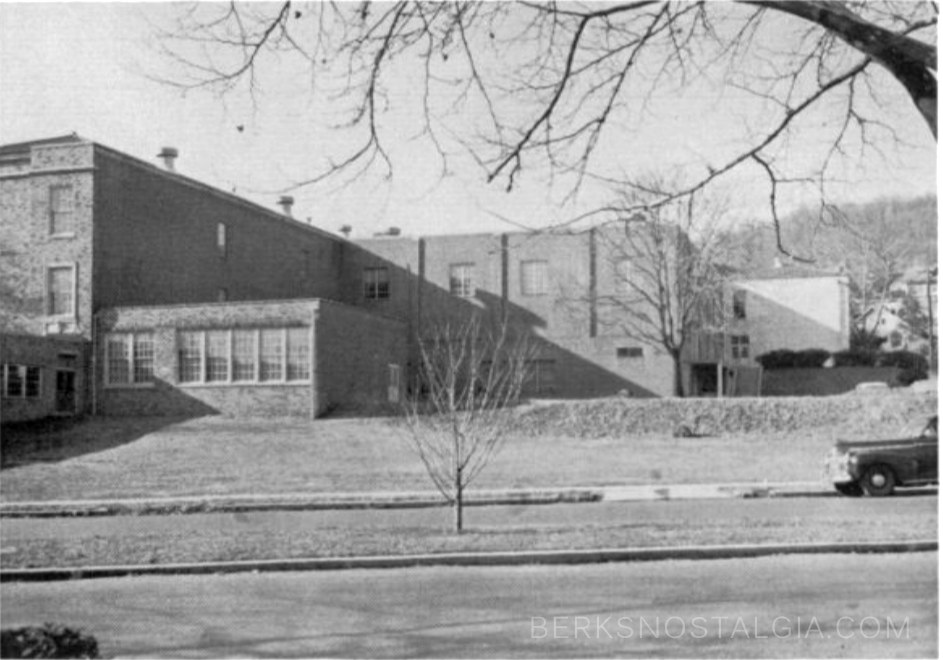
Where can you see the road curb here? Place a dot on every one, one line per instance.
(548, 557)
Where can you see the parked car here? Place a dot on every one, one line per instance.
(877, 467)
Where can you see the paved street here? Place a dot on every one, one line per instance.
(811, 606)
(731, 512)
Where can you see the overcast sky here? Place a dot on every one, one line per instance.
(80, 67)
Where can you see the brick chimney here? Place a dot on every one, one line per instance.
(286, 202)
(169, 155)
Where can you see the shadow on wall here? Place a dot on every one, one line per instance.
(558, 372)
(56, 439)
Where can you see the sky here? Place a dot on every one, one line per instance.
(88, 68)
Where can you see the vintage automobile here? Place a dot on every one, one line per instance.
(877, 467)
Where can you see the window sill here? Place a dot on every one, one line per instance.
(64, 236)
(227, 384)
(130, 386)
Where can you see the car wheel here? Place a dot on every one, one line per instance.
(878, 481)
(851, 490)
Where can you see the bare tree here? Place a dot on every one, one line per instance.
(669, 274)
(545, 86)
(470, 374)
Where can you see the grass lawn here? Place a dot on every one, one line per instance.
(106, 458)
(223, 537)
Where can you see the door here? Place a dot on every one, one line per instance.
(65, 392)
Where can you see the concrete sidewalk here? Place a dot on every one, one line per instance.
(402, 500)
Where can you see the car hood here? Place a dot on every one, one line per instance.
(845, 445)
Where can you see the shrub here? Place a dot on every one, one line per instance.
(903, 360)
(854, 358)
(811, 358)
(911, 366)
(778, 359)
(48, 641)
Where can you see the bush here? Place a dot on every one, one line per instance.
(811, 358)
(903, 360)
(854, 358)
(778, 359)
(48, 641)
(911, 366)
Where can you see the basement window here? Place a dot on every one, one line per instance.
(629, 352)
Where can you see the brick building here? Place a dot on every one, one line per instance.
(128, 288)
(87, 231)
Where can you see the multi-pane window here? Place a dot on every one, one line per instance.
(461, 280)
(269, 355)
(61, 210)
(376, 283)
(534, 278)
(222, 239)
(739, 346)
(129, 358)
(629, 352)
(190, 357)
(298, 361)
(739, 304)
(272, 352)
(60, 291)
(540, 377)
(217, 356)
(244, 356)
(20, 381)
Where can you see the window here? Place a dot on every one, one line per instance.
(461, 282)
(60, 291)
(624, 276)
(540, 377)
(739, 346)
(376, 283)
(221, 239)
(61, 211)
(218, 357)
(21, 382)
(244, 354)
(190, 357)
(629, 352)
(272, 352)
(739, 304)
(533, 278)
(298, 360)
(129, 358)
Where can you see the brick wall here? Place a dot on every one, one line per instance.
(167, 396)
(157, 243)
(27, 246)
(354, 350)
(559, 322)
(49, 354)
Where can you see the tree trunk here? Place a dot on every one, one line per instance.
(678, 373)
(459, 494)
